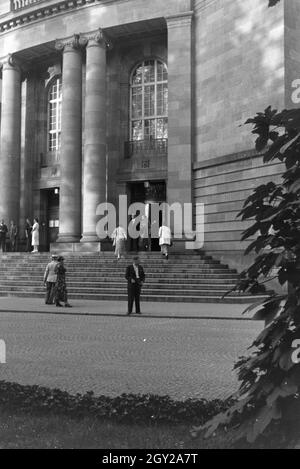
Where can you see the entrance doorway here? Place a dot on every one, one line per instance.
(50, 209)
(148, 193)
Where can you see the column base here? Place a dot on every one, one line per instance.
(89, 238)
(68, 238)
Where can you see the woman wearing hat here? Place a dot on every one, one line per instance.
(61, 294)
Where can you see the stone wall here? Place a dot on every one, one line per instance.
(223, 185)
(4, 6)
(292, 52)
(239, 51)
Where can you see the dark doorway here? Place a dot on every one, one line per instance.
(149, 193)
(50, 203)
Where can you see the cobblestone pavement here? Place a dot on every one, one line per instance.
(98, 307)
(112, 355)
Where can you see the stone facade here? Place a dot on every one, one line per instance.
(226, 60)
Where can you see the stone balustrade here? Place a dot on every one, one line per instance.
(18, 4)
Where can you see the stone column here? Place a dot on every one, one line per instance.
(10, 140)
(179, 187)
(70, 153)
(94, 163)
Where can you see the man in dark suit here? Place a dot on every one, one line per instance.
(3, 233)
(135, 277)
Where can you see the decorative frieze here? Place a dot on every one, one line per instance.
(18, 4)
(22, 14)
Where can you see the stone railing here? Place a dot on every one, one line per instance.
(18, 4)
(154, 147)
(49, 159)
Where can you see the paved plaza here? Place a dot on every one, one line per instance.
(111, 354)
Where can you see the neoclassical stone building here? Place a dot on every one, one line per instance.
(102, 98)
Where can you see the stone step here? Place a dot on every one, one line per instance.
(153, 298)
(108, 254)
(179, 278)
(120, 265)
(105, 279)
(115, 283)
(123, 290)
(190, 277)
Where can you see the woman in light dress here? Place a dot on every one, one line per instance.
(35, 235)
(165, 237)
(119, 237)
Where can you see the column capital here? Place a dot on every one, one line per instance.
(95, 39)
(68, 44)
(180, 19)
(10, 62)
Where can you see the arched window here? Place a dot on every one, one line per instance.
(149, 101)
(54, 114)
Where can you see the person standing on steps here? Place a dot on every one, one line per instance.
(3, 233)
(28, 229)
(135, 227)
(119, 237)
(135, 277)
(13, 233)
(165, 240)
(61, 293)
(50, 277)
(144, 233)
(35, 235)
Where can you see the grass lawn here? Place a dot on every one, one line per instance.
(20, 430)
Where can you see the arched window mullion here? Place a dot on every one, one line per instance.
(143, 100)
(144, 120)
(54, 115)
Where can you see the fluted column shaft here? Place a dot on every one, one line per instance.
(94, 166)
(10, 141)
(70, 160)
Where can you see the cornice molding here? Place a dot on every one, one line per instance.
(32, 13)
(204, 4)
(180, 19)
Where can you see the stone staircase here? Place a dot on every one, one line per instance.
(188, 277)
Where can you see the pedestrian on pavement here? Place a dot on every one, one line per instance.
(28, 230)
(119, 238)
(35, 235)
(50, 277)
(165, 240)
(3, 233)
(61, 292)
(13, 234)
(135, 277)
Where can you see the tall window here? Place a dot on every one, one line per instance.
(54, 115)
(149, 101)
